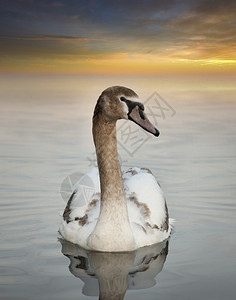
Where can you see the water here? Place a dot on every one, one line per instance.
(45, 129)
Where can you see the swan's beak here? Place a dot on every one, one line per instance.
(138, 116)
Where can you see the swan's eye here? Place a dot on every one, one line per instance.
(141, 113)
(141, 106)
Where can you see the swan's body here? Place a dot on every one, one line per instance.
(127, 211)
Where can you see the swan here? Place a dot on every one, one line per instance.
(129, 210)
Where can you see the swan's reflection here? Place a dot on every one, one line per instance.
(111, 274)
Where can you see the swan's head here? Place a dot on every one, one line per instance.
(119, 102)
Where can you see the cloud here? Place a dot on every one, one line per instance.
(46, 37)
(213, 7)
(206, 30)
(98, 30)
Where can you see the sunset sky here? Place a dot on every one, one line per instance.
(118, 37)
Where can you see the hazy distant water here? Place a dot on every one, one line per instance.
(45, 130)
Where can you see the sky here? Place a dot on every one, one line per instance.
(149, 37)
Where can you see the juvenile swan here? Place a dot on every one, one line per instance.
(127, 211)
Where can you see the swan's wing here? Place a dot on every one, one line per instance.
(146, 202)
(85, 189)
(82, 209)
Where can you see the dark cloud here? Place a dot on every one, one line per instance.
(214, 7)
(53, 48)
(98, 16)
(45, 37)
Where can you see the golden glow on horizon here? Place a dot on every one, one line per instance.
(121, 63)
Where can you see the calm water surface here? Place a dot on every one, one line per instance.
(46, 144)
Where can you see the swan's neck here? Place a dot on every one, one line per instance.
(112, 231)
(112, 189)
